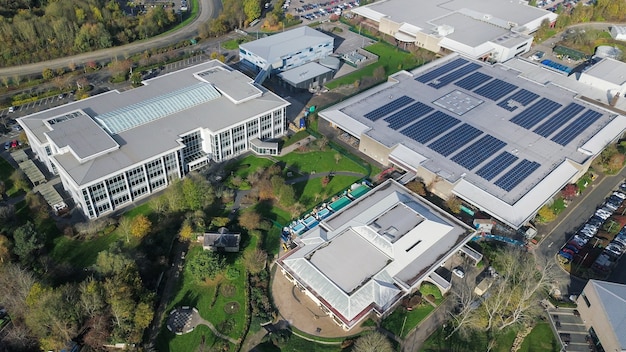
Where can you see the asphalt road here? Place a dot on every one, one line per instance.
(208, 9)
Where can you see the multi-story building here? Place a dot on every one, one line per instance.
(602, 306)
(114, 148)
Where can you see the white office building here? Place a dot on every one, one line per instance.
(117, 147)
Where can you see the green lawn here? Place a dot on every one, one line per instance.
(395, 321)
(170, 342)
(391, 59)
(437, 342)
(297, 344)
(540, 339)
(80, 253)
(233, 44)
(429, 289)
(5, 173)
(249, 164)
(307, 191)
(558, 205)
(320, 161)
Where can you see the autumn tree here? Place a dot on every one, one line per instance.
(337, 158)
(19, 180)
(255, 260)
(125, 226)
(140, 226)
(454, 204)
(5, 249)
(186, 232)
(569, 191)
(546, 214)
(47, 74)
(325, 181)
(249, 220)
(252, 9)
(373, 342)
(616, 162)
(417, 187)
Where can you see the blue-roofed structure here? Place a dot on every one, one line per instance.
(504, 144)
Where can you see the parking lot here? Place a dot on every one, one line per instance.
(318, 11)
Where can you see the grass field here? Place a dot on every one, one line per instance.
(320, 161)
(297, 344)
(437, 342)
(391, 59)
(429, 289)
(396, 323)
(540, 339)
(81, 253)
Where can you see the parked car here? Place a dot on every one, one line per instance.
(458, 272)
(7, 145)
(572, 248)
(603, 213)
(566, 255)
(580, 239)
(12, 109)
(620, 195)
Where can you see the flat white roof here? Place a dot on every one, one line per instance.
(610, 70)
(303, 73)
(374, 251)
(273, 47)
(137, 144)
(542, 145)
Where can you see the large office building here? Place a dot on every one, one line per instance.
(365, 258)
(602, 306)
(504, 144)
(286, 50)
(116, 147)
(494, 30)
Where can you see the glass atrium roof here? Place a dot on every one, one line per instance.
(155, 108)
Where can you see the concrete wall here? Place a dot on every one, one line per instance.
(374, 149)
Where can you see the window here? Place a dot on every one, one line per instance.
(586, 300)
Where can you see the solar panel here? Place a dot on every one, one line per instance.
(472, 81)
(495, 89)
(558, 120)
(455, 139)
(429, 76)
(430, 127)
(522, 97)
(388, 108)
(537, 112)
(517, 174)
(478, 152)
(407, 115)
(496, 165)
(454, 75)
(572, 131)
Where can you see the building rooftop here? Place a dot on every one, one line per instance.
(273, 47)
(374, 250)
(610, 70)
(612, 298)
(167, 106)
(494, 135)
(430, 14)
(303, 73)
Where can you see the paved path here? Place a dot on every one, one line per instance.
(207, 9)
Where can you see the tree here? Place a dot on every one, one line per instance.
(28, 242)
(204, 265)
(454, 204)
(373, 342)
(249, 220)
(5, 249)
(47, 74)
(141, 226)
(91, 297)
(325, 181)
(142, 319)
(569, 191)
(19, 180)
(337, 158)
(417, 187)
(112, 262)
(616, 162)
(186, 232)
(255, 260)
(252, 9)
(545, 214)
(125, 226)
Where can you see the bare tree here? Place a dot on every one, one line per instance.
(373, 342)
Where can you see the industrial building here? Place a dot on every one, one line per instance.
(369, 255)
(286, 50)
(114, 148)
(493, 30)
(502, 143)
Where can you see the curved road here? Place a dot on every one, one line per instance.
(208, 9)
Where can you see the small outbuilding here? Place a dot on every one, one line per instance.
(222, 240)
(307, 76)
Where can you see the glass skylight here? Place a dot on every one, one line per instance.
(131, 116)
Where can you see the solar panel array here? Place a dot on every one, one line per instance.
(454, 75)
(407, 115)
(478, 152)
(388, 108)
(517, 174)
(455, 139)
(429, 76)
(572, 131)
(522, 96)
(430, 127)
(537, 112)
(496, 165)
(495, 89)
(474, 80)
(558, 120)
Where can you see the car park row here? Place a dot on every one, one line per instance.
(313, 11)
(586, 238)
